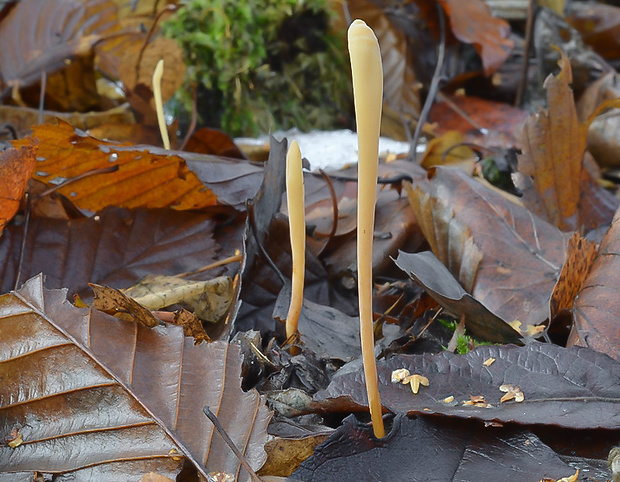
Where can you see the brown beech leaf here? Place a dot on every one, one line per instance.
(97, 398)
(551, 174)
(16, 165)
(116, 248)
(575, 388)
(596, 312)
(410, 452)
(44, 35)
(472, 23)
(521, 255)
(427, 270)
(579, 257)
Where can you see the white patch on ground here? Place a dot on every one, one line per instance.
(330, 149)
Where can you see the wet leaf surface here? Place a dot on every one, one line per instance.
(427, 270)
(116, 248)
(16, 166)
(468, 452)
(569, 387)
(96, 396)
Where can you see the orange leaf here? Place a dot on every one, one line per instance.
(143, 178)
(16, 165)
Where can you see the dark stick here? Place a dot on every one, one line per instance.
(218, 426)
(529, 30)
(434, 87)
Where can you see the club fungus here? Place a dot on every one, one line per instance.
(297, 230)
(159, 105)
(368, 96)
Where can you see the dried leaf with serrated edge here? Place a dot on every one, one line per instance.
(551, 169)
(100, 396)
(113, 302)
(596, 312)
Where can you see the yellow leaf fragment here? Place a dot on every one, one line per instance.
(512, 393)
(15, 439)
(488, 362)
(570, 478)
(476, 401)
(448, 399)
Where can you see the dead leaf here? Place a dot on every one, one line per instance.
(596, 312)
(143, 179)
(579, 258)
(449, 149)
(209, 300)
(512, 393)
(49, 36)
(435, 278)
(551, 173)
(115, 248)
(467, 453)
(192, 326)
(521, 255)
(16, 166)
(113, 302)
(473, 23)
(97, 393)
(557, 392)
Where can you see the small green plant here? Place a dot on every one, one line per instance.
(464, 343)
(260, 65)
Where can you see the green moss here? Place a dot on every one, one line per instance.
(261, 65)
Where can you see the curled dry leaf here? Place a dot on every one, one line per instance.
(97, 396)
(209, 300)
(504, 256)
(473, 23)
(552, 174)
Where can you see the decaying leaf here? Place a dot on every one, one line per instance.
(512, 393)
(579, 258)
(473, 23)
(410, 452)
(552, 174)
(115, 248)
(114, 302)
(519, 256)
(209, 300)
(99, 398)
(568, 387)
(16, 165)
(450, 149)
(435, 278)
(596, 312)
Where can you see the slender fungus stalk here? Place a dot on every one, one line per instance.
(159, 105)
(368, 93)
(297, 230)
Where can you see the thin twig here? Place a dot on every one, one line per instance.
(261, 248)
(529, 31)
(434, 87)
(92, 172)
(231, 259)
(332, 193)
(218, 426)
(194, 119)
(24, 237)
(444, 98)
(42, 95)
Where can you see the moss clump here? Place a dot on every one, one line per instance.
(261, 65)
